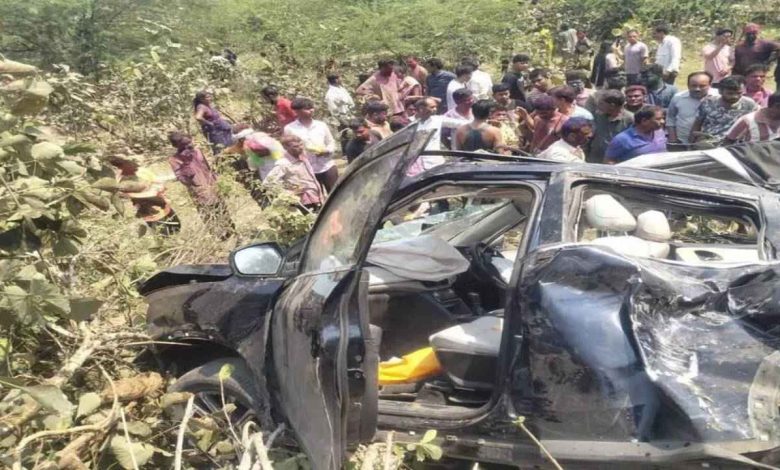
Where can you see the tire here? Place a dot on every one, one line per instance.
(205, 378)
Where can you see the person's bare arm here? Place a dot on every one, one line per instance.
(366, 88)
(200, 113)
(695, 130)
(457, 140)
(498, 140)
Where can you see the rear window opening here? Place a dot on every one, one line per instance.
(667, 225)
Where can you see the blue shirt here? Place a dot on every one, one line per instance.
(436, 84)
(629, 144)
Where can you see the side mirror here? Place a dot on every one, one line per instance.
(263, 259)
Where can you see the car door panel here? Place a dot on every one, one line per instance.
(319, 328)
(619, 347)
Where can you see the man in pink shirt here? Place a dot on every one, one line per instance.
(719, 55)
(755, 77)
(294, 174)
(385, 84)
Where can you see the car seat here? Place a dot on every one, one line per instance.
(468, 352)
(651, 229)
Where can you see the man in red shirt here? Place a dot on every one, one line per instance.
(282, 106)
(752, 50)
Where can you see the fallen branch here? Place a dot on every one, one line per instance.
(520, 422)
(182, 430)
(389, 451)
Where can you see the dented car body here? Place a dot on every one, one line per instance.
(614, 357)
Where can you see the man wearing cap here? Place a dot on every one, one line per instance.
(719, 55)
(752, 50)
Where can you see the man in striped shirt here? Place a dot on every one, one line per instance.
(758, 126)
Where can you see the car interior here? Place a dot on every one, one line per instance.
(441, 314)
(442, 260)
(647, 224)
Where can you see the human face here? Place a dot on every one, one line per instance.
(578, 139)
(577, 84)
(410, 110)
(294, 147)
(362, 133)
(307, 113)
(208, 99)
(379, 117)
(730, 96)
(699, 86)
(499, 115)
(501, 97)
(755, 80)
(427, 110)
(724, 38)
(632, 37)
(655, 123)
(635, 98)
(546, 114)
(520, 66)
(386, 70)
(464, 78)
(580, 35)
(467, 102)
(658, 36)
(411, 62)
(607, 108)
(541, 83)
(773, 112)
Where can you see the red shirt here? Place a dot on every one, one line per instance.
(284, 112)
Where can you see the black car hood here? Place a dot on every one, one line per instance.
(185, 274)
(762, 159)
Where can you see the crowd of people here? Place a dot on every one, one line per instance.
(609, 106)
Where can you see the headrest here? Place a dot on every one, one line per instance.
(653, 226)
(604, 212)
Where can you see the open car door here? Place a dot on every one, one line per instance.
(325, 369)
(753, 163)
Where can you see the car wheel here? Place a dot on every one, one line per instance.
(235, 393)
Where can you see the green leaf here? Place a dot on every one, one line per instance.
(65, 247)
(83, 308)
(434, 452)
(106, 184)
(88, 403)
(429, 436)
(78, 147)
(124, 452)
(71, 167)
(46, 151)
(51, 398)
(225, 372)
(20, 302)
(119, 205)
(139, 428)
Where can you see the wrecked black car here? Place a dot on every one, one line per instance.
(629, 314)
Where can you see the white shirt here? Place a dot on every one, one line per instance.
(317, 139)
(452, 87)
(669, 54)
(434, 123)
(682, 112)
(339, 102)
(481, 85)
(579, 111)
(561, 151)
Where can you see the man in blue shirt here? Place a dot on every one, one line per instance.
(645, 136)
(437, 81)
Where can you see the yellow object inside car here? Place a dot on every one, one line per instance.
(411, 368)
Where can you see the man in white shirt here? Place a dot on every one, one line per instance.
(480, 84)
(427, 119)
(669, 53)
(339, 102)
(684, 107)
(318, 140)
(340, 106)
(462, 78)
(575, 133)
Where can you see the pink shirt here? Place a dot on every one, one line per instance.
(760, 96)
(387, 87)
(296, 175)
(720, 65)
